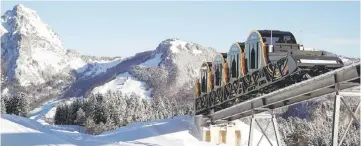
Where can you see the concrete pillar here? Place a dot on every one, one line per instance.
(237, 138)
(206, 134)
(230, 135)
(222, 135)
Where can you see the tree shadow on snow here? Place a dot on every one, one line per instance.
(143, 143)
(21, 139)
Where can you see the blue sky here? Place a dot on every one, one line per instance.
(125, 28)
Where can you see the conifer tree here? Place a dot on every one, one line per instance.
(80, 117)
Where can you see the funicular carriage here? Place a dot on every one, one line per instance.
(266, 57)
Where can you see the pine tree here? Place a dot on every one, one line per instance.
(167, 112)
(60, 116)
(100, 111)
(3, 107)
(174, 108)
(80, 117)
(129, 115)
(17, 104)
(147, 110)
(89, 125)
(73, 109)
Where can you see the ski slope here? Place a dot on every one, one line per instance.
(18, 131)
(127, 84)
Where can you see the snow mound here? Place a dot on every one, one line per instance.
(126, 84)
(16, 131)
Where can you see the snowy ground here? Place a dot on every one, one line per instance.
(126, 84)
(179, 131)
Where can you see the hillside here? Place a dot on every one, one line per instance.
(174, 64)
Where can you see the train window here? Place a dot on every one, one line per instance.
(254, 36)
(249, 52)
(246, 67)
(217, 76)
(237, 73)
(253, 59)
(257, 54)
(204, 83)
(234, 68)
(274, 40)
(220, 73)
(287, 39)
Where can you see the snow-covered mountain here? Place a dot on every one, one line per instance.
(32, 53)
(30, 48)
(174, 64)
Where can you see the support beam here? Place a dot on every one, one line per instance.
(250, 136)
(275, 126)
(336, 118)
(353, 94)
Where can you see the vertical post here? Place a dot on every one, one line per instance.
(271, 37)
(250, 139)
(275, 126)
(336, 114)
(271, 44)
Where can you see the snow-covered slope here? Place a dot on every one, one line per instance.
(174, 64)
(179, 131)
(16, 131)
(126, 84)
(176, 132)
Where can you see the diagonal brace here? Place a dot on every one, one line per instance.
(259, 141)
(351, 112)
(349, 125)
(264, 133)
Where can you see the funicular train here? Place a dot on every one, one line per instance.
(266, 61)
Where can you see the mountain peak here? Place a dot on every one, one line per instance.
(176, 46)
(26, 22)
(22, 8)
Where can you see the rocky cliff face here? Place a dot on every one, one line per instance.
(33, 57)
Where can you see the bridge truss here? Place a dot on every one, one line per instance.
(334, 81)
